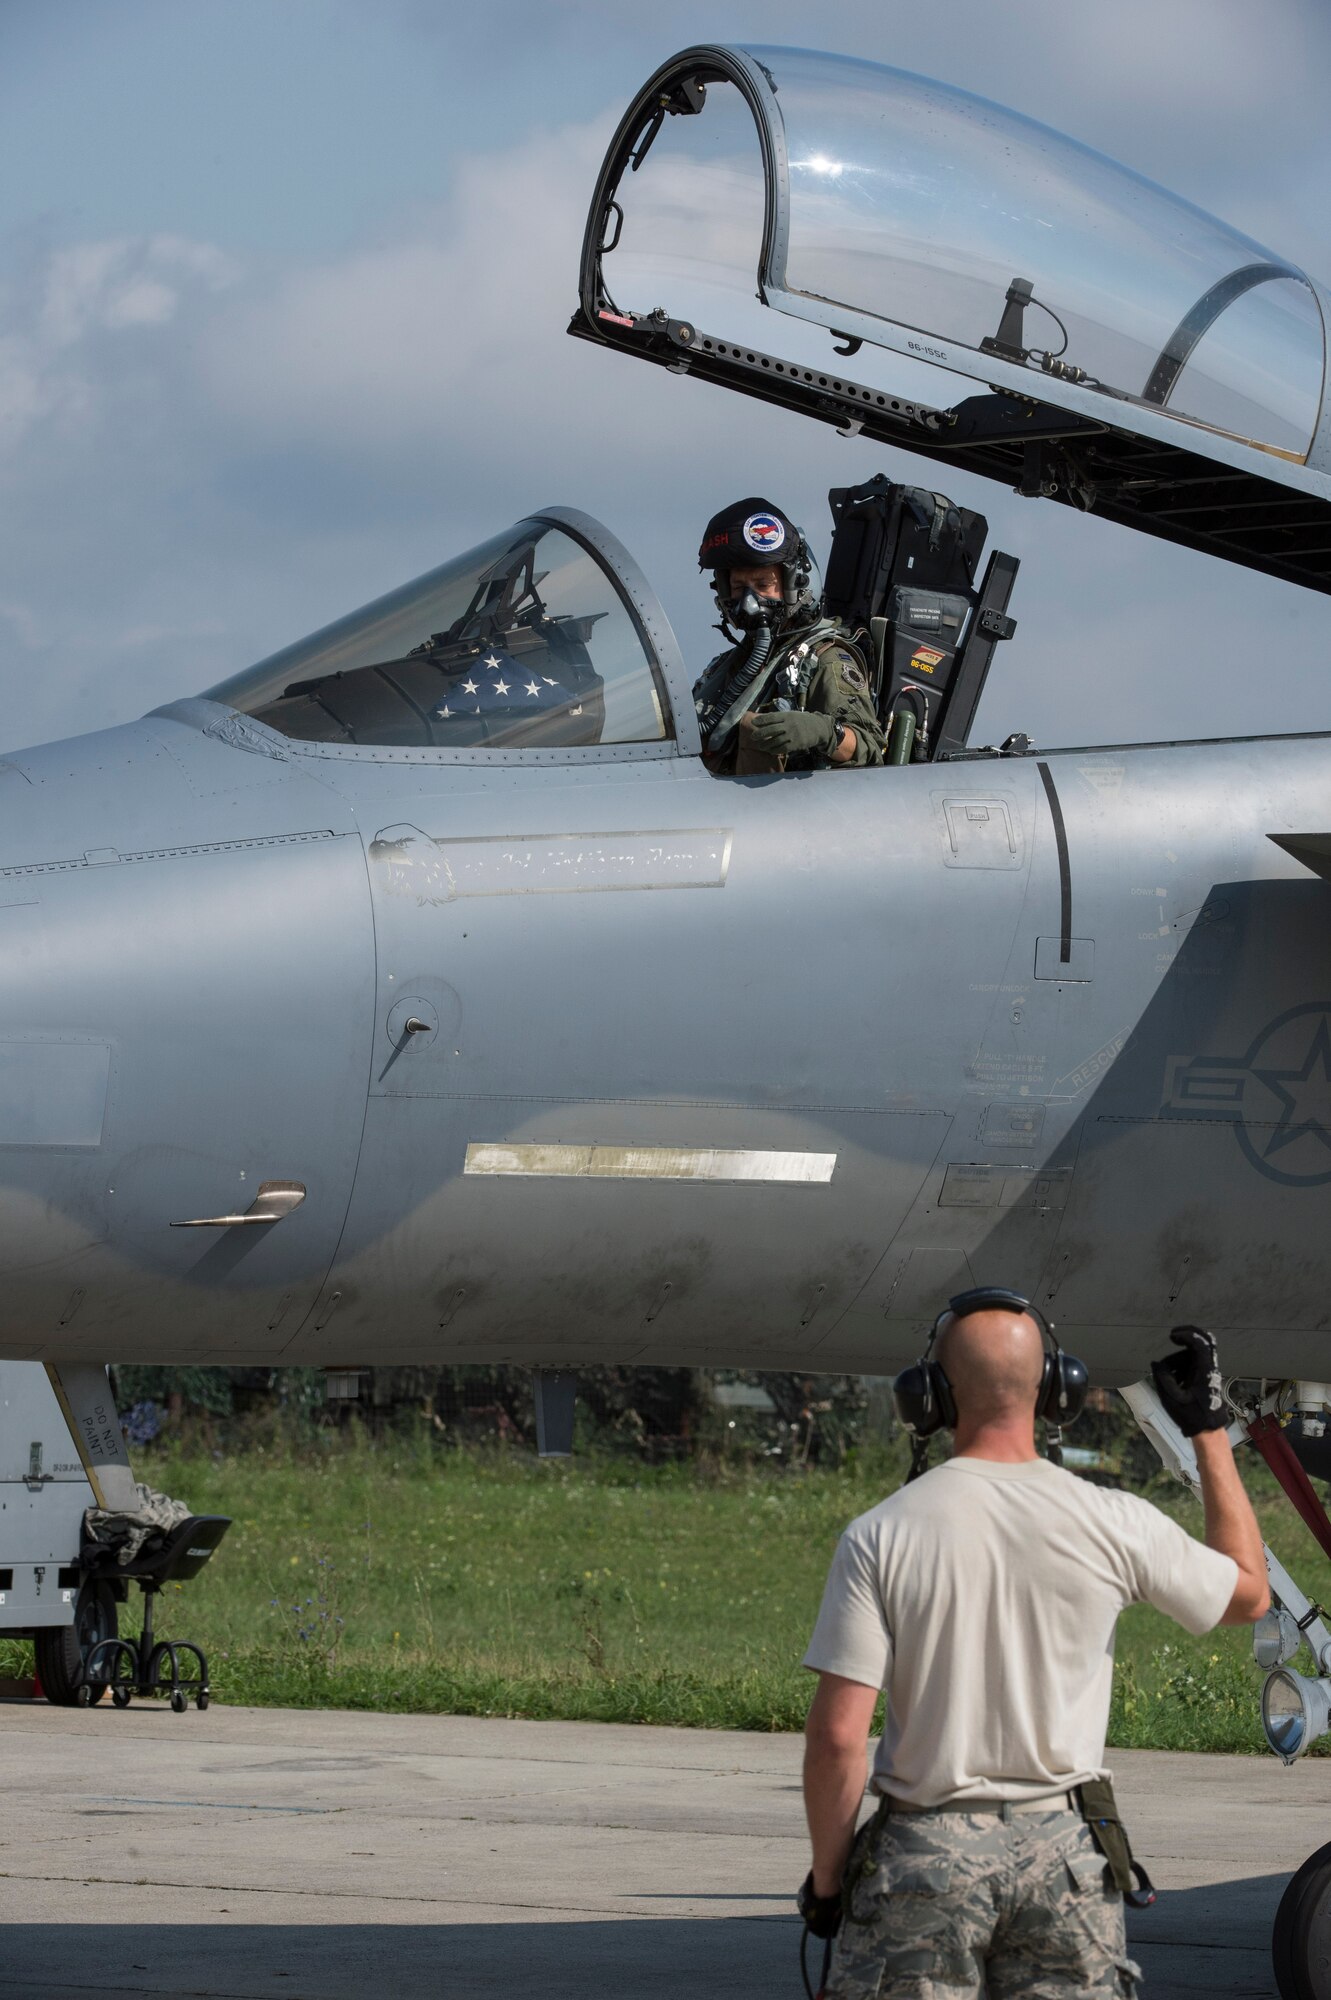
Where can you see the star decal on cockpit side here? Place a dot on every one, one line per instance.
(1277, 1096)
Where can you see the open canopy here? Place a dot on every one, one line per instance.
(1138, 358)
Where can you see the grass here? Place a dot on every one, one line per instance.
(390, 1577)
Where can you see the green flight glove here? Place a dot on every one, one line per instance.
(782, 732)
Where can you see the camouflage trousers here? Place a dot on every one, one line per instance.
(949, 1906)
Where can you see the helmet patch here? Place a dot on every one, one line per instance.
(763, 533)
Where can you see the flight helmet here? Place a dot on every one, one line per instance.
(747, 535)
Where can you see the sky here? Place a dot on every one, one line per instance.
(283, 290)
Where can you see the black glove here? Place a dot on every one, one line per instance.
(780, 731)
(1190, 1384)
(822, 1914)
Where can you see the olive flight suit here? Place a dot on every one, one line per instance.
(837, 687)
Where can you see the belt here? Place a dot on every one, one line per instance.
(1005, 1808)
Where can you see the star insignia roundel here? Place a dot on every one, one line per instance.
(1276, 1097)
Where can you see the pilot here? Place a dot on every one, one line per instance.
(982, 1599)
(810, 705)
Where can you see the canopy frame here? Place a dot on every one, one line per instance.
(1133, 462)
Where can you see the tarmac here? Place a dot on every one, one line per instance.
(258, 1854)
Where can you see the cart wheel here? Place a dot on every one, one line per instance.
(203, 1698)
(179, 1702)
(1301, 1936)
(62, 1649)
(120, 1696)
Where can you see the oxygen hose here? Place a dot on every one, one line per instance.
(749, 668)
(733, 698)
(718, 719)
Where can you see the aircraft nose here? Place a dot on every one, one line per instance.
(85, 800)
(186, 1004)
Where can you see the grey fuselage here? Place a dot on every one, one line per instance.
(745, 1072)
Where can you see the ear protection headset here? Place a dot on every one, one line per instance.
(923, 1395)
(801, 581)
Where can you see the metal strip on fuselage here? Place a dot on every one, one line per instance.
(651, 1163)
(1064, 865)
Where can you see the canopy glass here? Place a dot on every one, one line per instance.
(527, 641)
(909, 262)
(920, 205)
(921, 218)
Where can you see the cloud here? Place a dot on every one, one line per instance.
(24, 624)
(29, 390)
(56, 361)
(1193, 60)
(112, 285)
(386, 349)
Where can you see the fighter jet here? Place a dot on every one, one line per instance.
(420, 993)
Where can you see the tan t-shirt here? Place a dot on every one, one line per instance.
(983, 1599)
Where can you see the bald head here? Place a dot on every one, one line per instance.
(994, 1361)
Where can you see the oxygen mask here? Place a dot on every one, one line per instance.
(748, 611)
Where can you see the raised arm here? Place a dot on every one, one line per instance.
(1191, 1388)
(1231, 1526)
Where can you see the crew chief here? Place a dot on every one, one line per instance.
(982, 1598)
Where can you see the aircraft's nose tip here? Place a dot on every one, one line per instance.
(187, 990)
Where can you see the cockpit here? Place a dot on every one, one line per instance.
(907, 263)
(539, 639)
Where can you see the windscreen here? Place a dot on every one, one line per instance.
(525, 641)
(925, 207)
